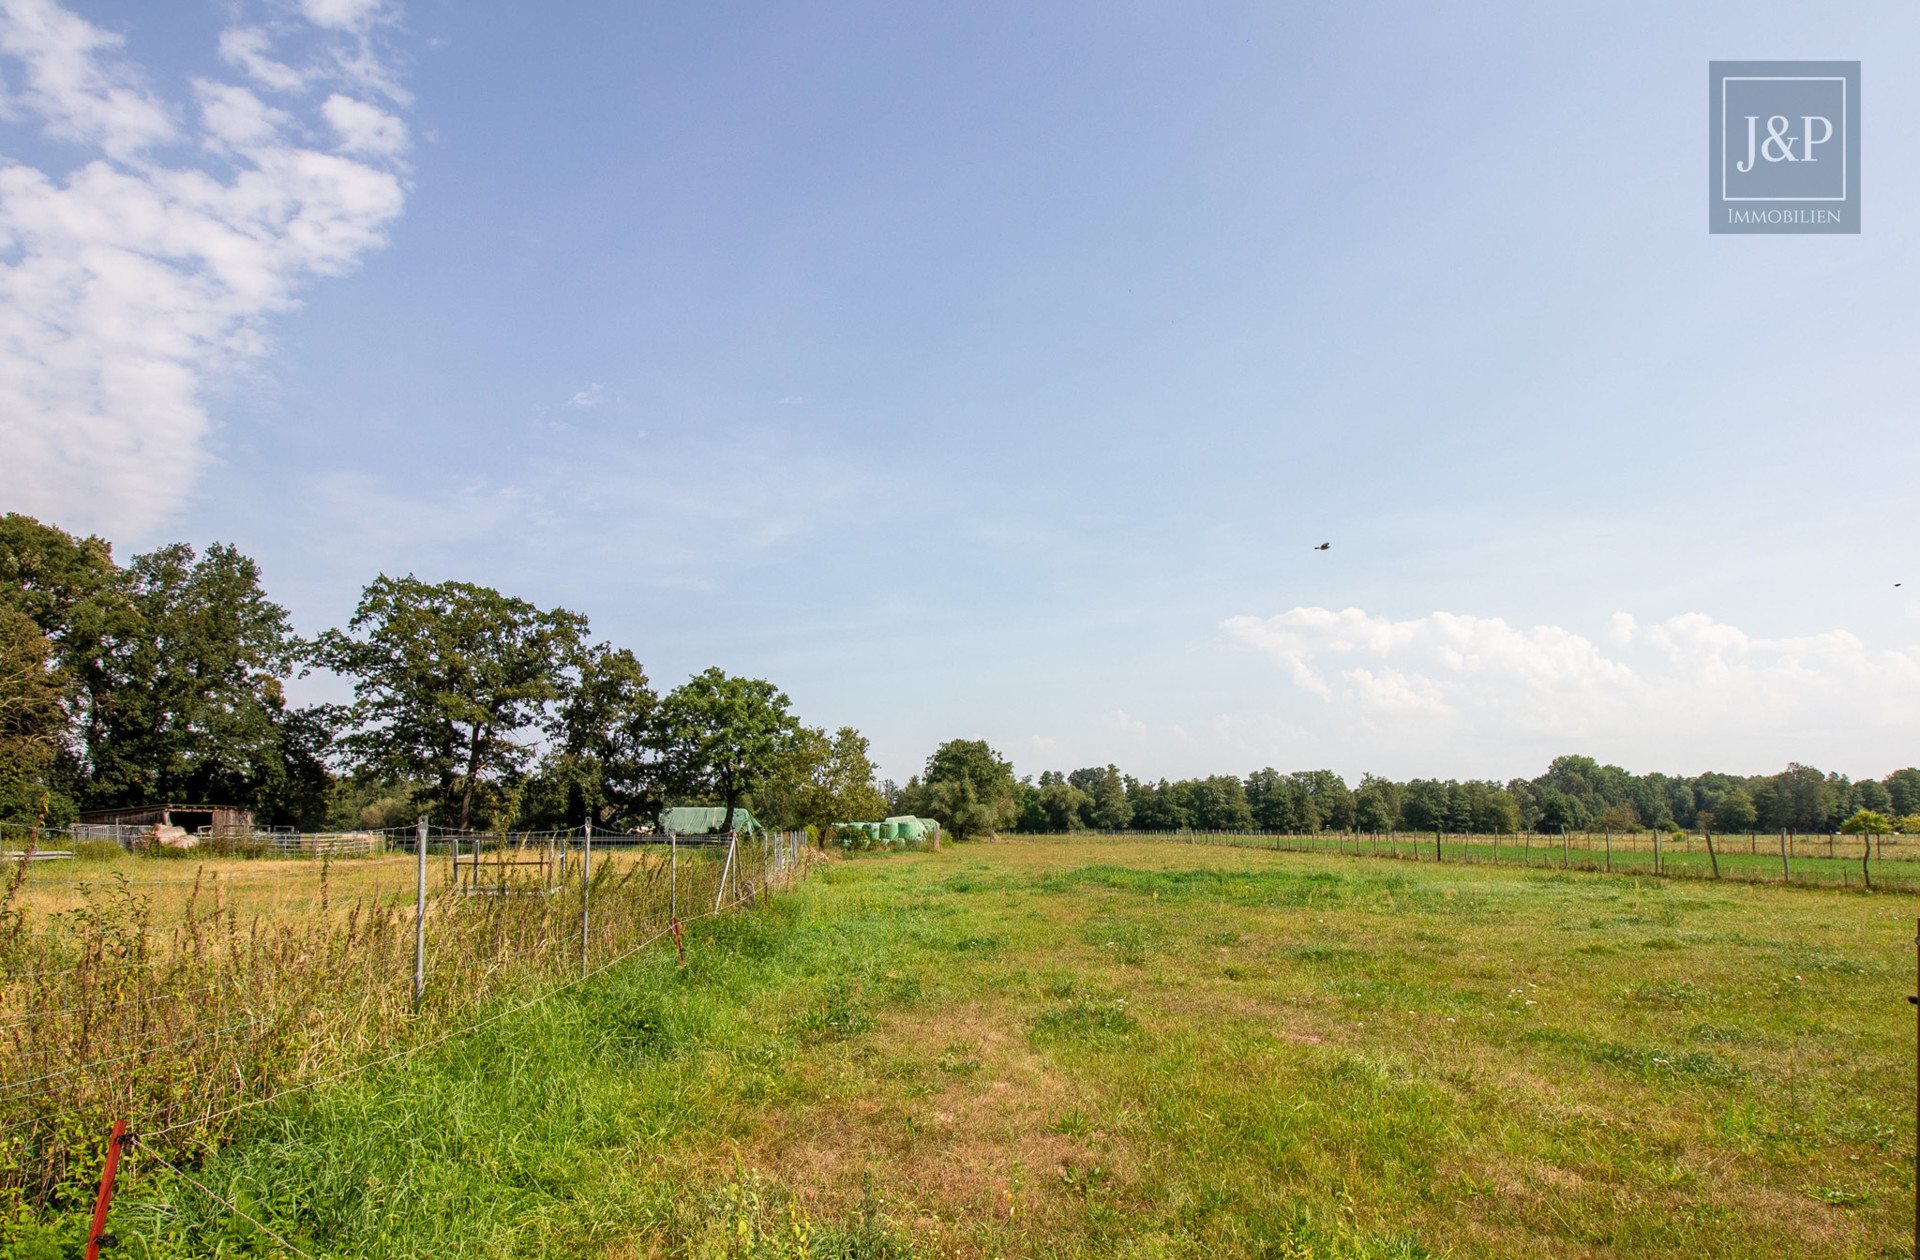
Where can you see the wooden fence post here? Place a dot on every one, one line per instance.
(1786, 872)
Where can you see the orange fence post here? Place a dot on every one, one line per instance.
(97, 1236)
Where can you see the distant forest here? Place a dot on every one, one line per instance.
(1577, 793)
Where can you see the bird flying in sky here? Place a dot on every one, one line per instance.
(1323, 546)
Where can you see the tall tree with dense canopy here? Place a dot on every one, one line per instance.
(722, 735)
(820, 780)
(33, 720)
(1106, 789)
(600, 759)
(192, 707)
(447, 677)
(61, 601)
(970, 788)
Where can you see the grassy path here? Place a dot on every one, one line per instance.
(1132, 1049)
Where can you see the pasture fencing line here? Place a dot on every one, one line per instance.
(133, 1139)
(173, 990)
(1822, 860)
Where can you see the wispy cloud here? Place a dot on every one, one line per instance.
(132, 282)
(586, 398)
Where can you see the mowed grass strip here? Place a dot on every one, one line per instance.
(1064, 1048)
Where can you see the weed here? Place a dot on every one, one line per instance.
(1072, 1123)
(960, 1058)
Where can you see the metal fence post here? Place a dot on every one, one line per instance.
(733, 842)
(419, 912)
(586, 883)
(673, 877)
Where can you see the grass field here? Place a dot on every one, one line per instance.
(1085, 1048)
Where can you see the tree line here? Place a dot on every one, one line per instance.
(972, 789)
(163, 681)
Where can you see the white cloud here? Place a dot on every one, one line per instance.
(1689, 674)
(1120, 721)
(342, 15)
(131, 283)
(588, 397)
(365, 128)
(76, 84)
(1041, 744)
(247, 47)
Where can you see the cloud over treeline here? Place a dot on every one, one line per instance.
(1456, 672)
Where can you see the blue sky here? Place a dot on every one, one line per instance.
(992, 372)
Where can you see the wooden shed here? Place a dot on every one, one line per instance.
(195, 820)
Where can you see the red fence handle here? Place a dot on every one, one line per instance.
(96, 1234)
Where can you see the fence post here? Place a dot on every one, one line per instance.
(586, 884)
(733, 842)
(1712, 856)
(1656, 850)
(1436, 845)
(673, 877)
(1563, 847)
(1865, 876)
(419, 912)
(1786, 872)
(96, 1232)
(1608, 836)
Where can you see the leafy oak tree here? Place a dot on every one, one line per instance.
(33, 721)
(447, 677)
(61, 600)
(186, 703)
(600, 759)
(722, 736)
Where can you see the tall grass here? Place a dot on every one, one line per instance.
(170, 1003)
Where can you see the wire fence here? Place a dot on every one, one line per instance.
(1889, 863)
(175, 990)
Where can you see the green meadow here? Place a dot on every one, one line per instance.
(1065, 1048)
